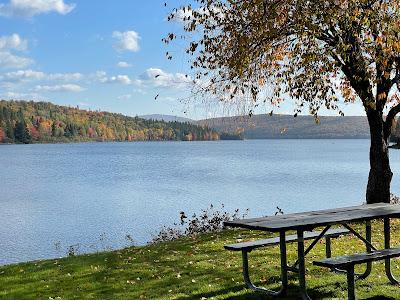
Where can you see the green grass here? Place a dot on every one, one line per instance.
(189, 268)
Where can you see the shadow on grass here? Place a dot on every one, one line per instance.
(293, 290)
(380, 298)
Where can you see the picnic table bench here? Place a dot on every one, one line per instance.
(247, 247)
(307, 221)
(348, 262)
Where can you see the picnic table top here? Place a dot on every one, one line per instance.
(312, 219)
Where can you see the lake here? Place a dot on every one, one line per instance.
(90, 196)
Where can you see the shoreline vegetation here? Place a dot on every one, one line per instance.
(44, 122)
(195, 267)
(23, 122)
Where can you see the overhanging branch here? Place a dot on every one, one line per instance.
(389, 120)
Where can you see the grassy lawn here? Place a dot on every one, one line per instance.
(189, 268)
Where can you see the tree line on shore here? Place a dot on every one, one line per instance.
(35, 122)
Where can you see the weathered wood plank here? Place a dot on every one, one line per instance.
(359, 258)
(289, 238)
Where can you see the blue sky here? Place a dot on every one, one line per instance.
(98, 54)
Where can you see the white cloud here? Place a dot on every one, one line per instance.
(9, 44)
(6, 85)
(101, 73)
(151, 78)
(11, 61)
(124, 79)
(29, 8)
(13, 42)
(124, 64)
(24, 75)
(59, 88)
(126, 41)
(100, 76)
(21, 96)
(65, 76)
(159, 78)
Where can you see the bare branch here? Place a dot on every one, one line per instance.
(389, 120)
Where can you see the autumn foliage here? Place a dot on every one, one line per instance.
(26, 122)
(311, 52)
(2, 135)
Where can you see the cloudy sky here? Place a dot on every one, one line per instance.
(104, 55)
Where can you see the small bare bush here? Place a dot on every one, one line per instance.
(208, 220)
(394, 199)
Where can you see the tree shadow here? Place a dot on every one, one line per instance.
(293, 290)
(380, 298)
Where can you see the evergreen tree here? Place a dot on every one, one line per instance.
(10, 131)
(21, 133)
(54, 129)
(71, 130)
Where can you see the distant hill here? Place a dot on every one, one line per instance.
(167, 118)
(44, 122)
(289, 127)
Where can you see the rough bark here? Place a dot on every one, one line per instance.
(380, 174)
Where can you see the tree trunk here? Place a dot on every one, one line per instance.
(380, 174)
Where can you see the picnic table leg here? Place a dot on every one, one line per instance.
(386, 230)
(368, 244)
(350, 284)
(302, 267)
(284, 266)
(284, 272)
(368, 237)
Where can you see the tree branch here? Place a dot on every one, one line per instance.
(396, 78)
(389, 120)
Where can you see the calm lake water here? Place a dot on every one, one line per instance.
(93, 195)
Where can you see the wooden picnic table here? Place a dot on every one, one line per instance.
(307, 221)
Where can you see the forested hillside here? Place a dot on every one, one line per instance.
(288, 127)
(35, 122)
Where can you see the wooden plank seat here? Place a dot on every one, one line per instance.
(247, 247)
(348, 262)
